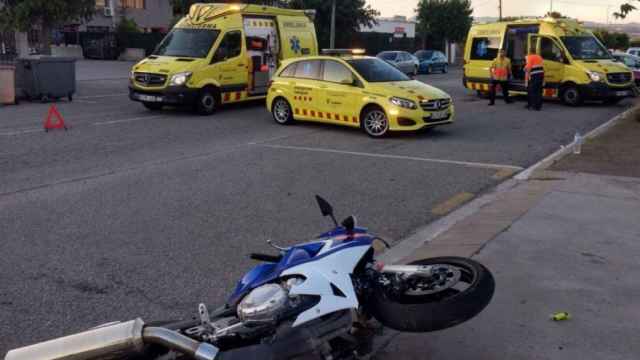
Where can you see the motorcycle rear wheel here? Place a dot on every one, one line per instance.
(439, 310)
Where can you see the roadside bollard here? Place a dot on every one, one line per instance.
(577, 143)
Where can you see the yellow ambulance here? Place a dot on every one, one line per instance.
(221, 53)
(577, 66)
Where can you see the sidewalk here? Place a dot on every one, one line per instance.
(568, 239)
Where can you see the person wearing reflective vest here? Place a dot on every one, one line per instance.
(534, 80)
(500, 73)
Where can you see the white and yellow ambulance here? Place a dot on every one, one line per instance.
(577, 66)
(221, 53)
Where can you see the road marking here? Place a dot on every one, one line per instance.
(398, 157)
(20, 132)
(450, 204)
(101, 96)
(125, 120)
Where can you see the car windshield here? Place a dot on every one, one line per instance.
(193, 43)
(585, 48)
(388, 55)
(376, 70)
(424, 54)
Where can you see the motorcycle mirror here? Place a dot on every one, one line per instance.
(349, 223)
(325, 208)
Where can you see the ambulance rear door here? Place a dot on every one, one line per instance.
(298, 36)
(263, 47)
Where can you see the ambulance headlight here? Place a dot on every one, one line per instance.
(595, 76)
(405, 103)
(180, 79)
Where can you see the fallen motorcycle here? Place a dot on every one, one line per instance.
(304, 302)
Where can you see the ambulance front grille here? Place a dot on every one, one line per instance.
(149, 80)
(619, 78)
(435, 104)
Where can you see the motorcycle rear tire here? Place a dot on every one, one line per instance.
(434, 312)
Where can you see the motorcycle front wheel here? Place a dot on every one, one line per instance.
(465, 289)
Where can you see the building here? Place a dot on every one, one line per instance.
(397, 25)
(149, 15)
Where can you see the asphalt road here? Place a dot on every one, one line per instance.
(137, 213)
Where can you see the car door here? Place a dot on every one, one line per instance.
(407, 63)
(340, 94)
(305, 87)
(230, 66)
(553, 59)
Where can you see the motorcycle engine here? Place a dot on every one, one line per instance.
(264, 303)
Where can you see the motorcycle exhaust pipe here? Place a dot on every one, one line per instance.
(113, 342)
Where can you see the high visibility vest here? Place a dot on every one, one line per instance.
(501, 68)
(534, 64)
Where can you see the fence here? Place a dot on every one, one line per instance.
(109, 45)
(7, 47)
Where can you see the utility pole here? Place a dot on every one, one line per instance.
(332, 40)
(551, 6)
(499, 10)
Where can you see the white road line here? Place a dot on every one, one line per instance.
(101, 96)
(125, 120)
(398, 157)
(20, 132)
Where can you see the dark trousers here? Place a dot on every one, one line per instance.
(504, 84)
(534, 91)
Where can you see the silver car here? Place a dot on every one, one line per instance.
(403, 60)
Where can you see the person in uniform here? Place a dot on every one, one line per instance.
(534, 80)
(500, 73)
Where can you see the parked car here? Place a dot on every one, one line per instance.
(404, 61)
(632, 62)
(431, 61)
(635, 51)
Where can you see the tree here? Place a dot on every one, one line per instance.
(555, 15)
(22, 15)
(612, 40)
(625, 9)
(443, 20)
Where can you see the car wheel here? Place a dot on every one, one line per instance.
(445, 68)
(152, 106)
(415, 71)
(429, 69)
(571, 95)
(281, 111)
(207, 102)
(375, 122)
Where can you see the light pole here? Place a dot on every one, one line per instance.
(500, 10)
(332, 39)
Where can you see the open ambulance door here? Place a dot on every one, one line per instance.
(263, 47)
(554, 60)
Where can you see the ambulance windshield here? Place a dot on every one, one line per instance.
(193, 43)
(376, 70)
(585, 48)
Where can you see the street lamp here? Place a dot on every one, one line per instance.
(332, 39)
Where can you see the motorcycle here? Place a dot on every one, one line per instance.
(307, 301)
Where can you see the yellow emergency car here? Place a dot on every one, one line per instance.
(577, 66)
(221, 53)
(357, 91)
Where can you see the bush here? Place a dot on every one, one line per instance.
(127, 25)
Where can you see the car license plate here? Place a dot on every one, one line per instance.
(149, 98)
(439, 115)
(622, 93)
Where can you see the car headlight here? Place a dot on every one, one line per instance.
(595, 76)
(180, 79)
(405, 103)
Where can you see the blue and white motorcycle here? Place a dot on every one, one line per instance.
(309, 301)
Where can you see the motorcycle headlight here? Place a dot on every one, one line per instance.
(405, 103)
(595, 76)
(263, 303)
(179, 79)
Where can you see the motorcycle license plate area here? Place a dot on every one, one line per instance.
(148, 98)
(439, 115)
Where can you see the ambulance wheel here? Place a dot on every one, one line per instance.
(571, 95)
(207, 101)
(281, 111)
(152, 106)
(374, 121)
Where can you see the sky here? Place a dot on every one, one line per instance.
(585, 10)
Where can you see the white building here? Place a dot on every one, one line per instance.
(398, 25)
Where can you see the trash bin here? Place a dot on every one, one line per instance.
(46, 77)
(7, 84)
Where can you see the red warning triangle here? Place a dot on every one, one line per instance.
(59, 124)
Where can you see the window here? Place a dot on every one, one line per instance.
(194, 43)
(549, 50)
(133, 4)
(424, 54)
(230, 46)
(289, 71)
(376, 70)
(389, 56)
(336, 72)
(101, 3)
(485, 48)
(308, 70)
(585, 48)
